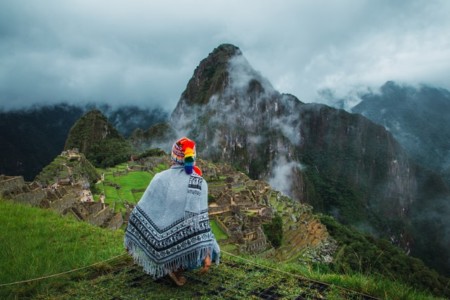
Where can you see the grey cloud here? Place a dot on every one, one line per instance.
(282, 173)
(144, 52)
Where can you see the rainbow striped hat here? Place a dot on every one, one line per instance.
(183, 153)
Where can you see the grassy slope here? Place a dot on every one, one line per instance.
(38, 242)
(131, 186)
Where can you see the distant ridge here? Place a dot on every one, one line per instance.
(31, 138)
(418, 118)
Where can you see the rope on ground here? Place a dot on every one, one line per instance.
(62, 273)
(295, 275)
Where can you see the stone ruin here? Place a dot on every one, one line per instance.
(15, 188)
(66, 199)
(240, 206)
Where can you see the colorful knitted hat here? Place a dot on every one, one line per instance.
(183, 153)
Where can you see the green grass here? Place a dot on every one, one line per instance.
(128, 183)
(161, 167)
(36, 242)
(373, 285)
(218, 232)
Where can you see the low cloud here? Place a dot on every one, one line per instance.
(281, 176)
(144, 52)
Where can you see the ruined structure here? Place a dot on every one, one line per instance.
(67, 195)
(14, 187)
(238, 205)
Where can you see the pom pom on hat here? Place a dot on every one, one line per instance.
(183, 153)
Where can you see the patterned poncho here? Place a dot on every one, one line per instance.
(169, 227)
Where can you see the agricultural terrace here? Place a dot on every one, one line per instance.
(120, 185)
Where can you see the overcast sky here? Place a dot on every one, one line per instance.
(144, 52)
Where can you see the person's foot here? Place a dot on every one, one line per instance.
(178, 278)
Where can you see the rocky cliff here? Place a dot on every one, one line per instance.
(302, 149)
(341, 163)
(417, 117)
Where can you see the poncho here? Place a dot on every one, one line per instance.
(169, 227)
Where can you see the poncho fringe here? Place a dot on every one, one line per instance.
(159, 270)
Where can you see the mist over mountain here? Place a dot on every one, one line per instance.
(128, 118)
(31, 138)
(417, 117)
(341, 163)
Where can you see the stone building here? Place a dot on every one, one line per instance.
(62, 197)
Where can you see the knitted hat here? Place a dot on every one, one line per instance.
(183, 153)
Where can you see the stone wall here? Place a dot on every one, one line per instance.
(64, 200)
(255, 246)
(64, 203)
(34, 197)
(11, 185)
(101, 217)
(115, 222)
(222, 226)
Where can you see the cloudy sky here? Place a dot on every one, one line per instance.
(144, 51)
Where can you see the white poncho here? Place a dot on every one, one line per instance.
(169, 227)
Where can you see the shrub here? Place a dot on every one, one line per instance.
(274, 231)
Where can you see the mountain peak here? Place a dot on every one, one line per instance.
(98, 140)
(92, 126)
(227, 50)
(210, 76)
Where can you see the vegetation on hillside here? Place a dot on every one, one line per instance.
(364, 254)
(109, 152)
(31, 138)
(100, 142)
(274, 231)
(154, 135)
(63, 167)
(124, 189)
(333, 195)
(209, 76)
(37, 243)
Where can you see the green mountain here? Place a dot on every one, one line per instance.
(417, 117)
(341, 163)
(98, 140)
(30, 138)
